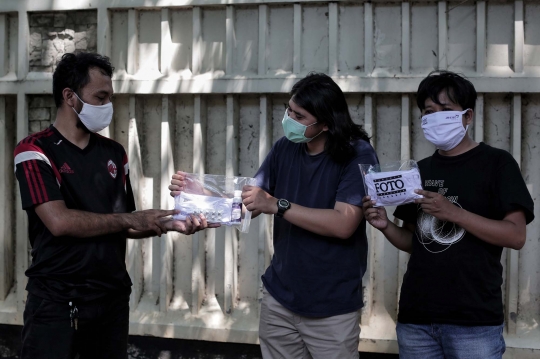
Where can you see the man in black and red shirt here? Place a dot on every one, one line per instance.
(76, 191)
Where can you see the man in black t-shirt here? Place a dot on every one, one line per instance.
(475, 202)
(75, 188)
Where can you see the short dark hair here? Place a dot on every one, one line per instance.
(72, 72)
(319, 95)
(458, 89)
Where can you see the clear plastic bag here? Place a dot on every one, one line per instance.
(214, 196)
(392, 183)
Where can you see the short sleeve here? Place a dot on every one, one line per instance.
(130, 198)
(265, 174)
(511, 190)
(351, 186)
(39, 182)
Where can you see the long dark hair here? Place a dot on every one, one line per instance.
(319, 95)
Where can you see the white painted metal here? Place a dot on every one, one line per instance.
(443, 35)
(167, 170)
(297, 60)
(333, 39)
(512, 278)
(405, 151)
(478, 127)
(368, 36)
(263, 36)
(405, 38)
(4, 44)
(132, 48)
(197, 41)
(201, 87)
(6, 241)
(166, 45)
(461, 48)
(199, 157)
(136, 174)
(519, 36)
(263, 226)
(480, 36)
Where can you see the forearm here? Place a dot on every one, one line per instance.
(325, 222)
(502, 233)
(81, 224)
(400, 237)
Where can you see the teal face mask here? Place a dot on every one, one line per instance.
(294, 130)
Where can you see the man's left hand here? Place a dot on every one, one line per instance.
(437, 205)
(255, 199)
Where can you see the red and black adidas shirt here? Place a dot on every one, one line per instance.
(94, 179)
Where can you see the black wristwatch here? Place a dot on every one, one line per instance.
(282, 206)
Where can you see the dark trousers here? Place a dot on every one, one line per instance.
(102, 329)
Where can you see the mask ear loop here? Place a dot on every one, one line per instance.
(462, 113)
(79, 100)
(315, 135)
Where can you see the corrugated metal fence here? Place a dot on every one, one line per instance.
(201, 86)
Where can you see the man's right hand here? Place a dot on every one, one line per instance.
(376, 216)
(149, 220)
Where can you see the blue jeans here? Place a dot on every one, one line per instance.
(448, 341)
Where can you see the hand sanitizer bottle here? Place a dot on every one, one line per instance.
(236, 213)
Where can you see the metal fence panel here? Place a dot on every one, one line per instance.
(201, 86)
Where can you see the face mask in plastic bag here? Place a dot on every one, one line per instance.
(217, 197)
(392, 184)
(215, 209)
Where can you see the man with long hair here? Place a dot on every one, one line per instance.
(475, 203)
(310, 181)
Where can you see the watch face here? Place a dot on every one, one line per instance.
(283, 203)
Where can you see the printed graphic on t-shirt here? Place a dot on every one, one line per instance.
(434, 234)
(111, 166)
(65, 169)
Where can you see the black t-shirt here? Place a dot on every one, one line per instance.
(94, 179)
(452, 276)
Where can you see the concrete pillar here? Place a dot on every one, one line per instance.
(167, 170)
(198, 248)
(133, 42)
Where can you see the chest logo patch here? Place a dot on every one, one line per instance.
(65, 168)
(111, 166)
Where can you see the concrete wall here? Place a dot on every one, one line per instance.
(201, 86)
(54, 33)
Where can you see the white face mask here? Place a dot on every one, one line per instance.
(444, 128)
(393, 188)
(95, 118)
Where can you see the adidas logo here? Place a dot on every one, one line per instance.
(65, 169)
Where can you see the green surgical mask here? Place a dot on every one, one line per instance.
(294, 130)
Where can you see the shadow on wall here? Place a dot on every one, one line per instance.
(160, 348)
